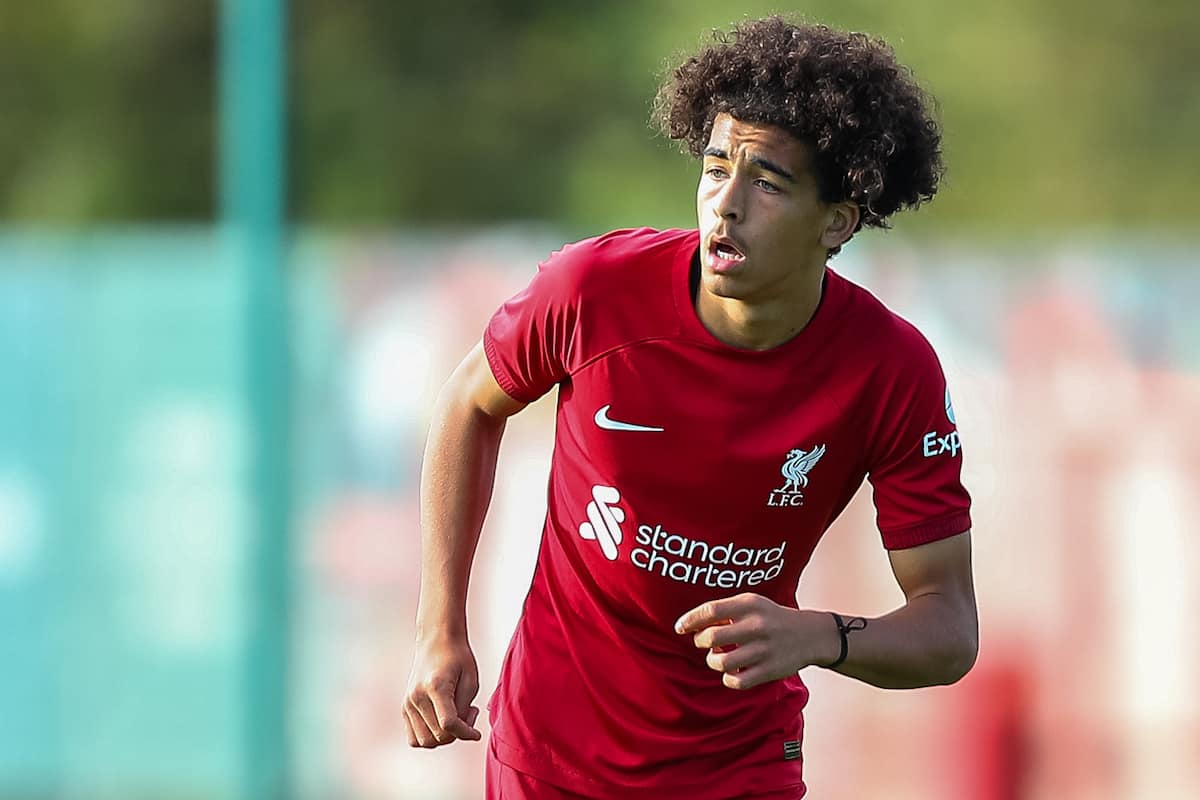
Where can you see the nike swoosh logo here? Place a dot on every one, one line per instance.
(614, 425)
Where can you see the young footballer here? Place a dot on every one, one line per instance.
(722, 394)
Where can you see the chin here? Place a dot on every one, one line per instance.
(719, 285)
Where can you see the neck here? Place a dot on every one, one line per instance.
(760, 325)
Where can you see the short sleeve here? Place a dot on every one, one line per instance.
(916, 460)
(529, 340)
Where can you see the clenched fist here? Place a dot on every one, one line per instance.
(752, 640)
(437, 704)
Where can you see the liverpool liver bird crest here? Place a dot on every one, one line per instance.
(796, 468)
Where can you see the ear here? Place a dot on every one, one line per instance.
(841, 223)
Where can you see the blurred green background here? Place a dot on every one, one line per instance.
(1056, 115)
(242, 244)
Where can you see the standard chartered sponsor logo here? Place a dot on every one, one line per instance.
(676, 557)
(698, 562)
(604, 520)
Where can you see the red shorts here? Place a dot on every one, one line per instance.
(506, 783)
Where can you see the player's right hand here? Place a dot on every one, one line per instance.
(437, 703)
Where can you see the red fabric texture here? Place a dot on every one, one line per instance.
(505, 783)
(685, 470)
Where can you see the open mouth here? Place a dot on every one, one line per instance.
(725, 253)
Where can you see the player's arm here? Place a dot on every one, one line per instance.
(932, 639)
(457, 477)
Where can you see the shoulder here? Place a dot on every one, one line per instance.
(882, 337)
(615, 258)
(620, 246)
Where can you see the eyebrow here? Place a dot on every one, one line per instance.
(769, 166)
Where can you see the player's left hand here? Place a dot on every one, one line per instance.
(752, 640)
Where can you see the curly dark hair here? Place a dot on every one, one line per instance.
(867, 122)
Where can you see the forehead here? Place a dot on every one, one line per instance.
(738, 138)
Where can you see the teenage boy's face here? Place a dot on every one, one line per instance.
(764, 231)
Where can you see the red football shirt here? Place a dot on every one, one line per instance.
(686, 469)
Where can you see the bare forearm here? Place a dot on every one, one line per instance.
(457, 477)
(927, 642)
(931, 640)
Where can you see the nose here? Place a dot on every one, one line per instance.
(727, 204)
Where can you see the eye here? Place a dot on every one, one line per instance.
(766, 186)
(716, 172)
